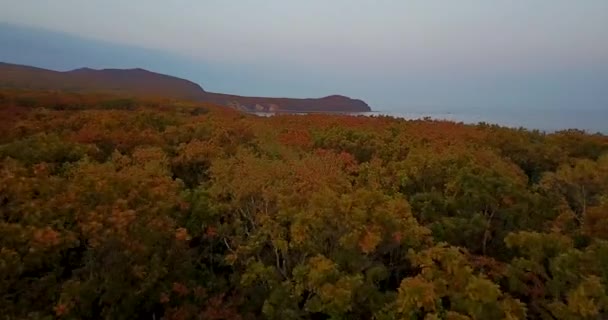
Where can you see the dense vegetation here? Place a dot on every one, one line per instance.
(121, 209)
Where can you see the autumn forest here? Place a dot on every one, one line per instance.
(122, 208)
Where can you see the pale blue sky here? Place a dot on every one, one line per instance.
(517, 53)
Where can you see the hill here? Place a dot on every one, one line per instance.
(140, 82)
(136, 82)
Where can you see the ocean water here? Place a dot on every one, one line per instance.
(592, 121)
(589, 120)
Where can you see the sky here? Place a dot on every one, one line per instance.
(394, 54)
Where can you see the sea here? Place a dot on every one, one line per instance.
(588, 120)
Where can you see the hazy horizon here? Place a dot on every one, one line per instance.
(396, 56)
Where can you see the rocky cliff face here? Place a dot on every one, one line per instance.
(139, 82)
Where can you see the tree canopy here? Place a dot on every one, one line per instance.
(122, 208)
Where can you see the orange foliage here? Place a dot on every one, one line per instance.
(114, 207)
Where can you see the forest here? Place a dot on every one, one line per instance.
(121, 208)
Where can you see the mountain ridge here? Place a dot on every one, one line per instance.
(142, 82)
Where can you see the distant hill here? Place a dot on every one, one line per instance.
(334, 103)
(140, 82)
(137, 82)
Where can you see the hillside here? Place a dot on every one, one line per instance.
(143, 83)
(136, 82)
